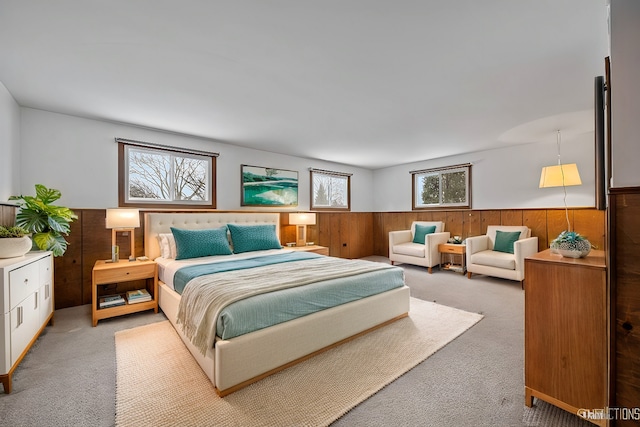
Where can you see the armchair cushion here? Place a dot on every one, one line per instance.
(505, 240)
(495, 259)
(410, 248)
(421, 231)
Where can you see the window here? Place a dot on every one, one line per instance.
(154, 175)
(330, 190)
(448, 187)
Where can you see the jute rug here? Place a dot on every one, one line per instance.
(160, 384)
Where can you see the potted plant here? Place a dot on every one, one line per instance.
(48, 223)
(14, 242)
(571, 245)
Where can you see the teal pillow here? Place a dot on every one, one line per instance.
(247, 238)
(505, 241)
(199, 243)
(421, 231)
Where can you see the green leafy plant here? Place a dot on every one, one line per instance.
(569, 237)
(48, 223)
(12, 232)
(572, 244)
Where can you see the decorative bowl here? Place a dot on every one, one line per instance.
(576, 249)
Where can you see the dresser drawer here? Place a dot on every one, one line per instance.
(46, 271)
(25, 322)
(22, 282)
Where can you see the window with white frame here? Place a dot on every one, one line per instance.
(330, 190)
(446, 187)
(157, 175)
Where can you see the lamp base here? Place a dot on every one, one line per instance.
(301, 235)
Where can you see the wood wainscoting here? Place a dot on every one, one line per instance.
(624, 279)
(346, 234)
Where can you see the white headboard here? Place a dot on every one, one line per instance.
(156, 223)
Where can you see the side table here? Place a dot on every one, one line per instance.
(322, 250)
(451, 251)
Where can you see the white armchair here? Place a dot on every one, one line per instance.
(482, 259)
(403, 249)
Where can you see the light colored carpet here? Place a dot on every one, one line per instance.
(159, 383)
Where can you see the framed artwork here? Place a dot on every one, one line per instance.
(268, 186)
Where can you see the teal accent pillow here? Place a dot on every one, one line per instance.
(247, 238)
(199, 243)
(505, 241)
(421, 231)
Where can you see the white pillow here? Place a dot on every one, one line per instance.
(163, 243)
(167, 245)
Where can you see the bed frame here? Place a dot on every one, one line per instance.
(235, 363)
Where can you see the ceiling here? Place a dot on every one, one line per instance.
(369, 83)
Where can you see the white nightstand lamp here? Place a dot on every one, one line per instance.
(123, 220)
(301, 220)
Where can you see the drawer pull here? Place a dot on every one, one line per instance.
(26, 281)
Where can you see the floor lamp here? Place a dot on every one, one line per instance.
(122, 220)
(561, 175)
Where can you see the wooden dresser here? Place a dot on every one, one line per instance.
(566, 333)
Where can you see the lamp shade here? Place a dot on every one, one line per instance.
(123, 218)
(302, 218)
(560, 175)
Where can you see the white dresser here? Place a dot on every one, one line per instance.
(26, 299)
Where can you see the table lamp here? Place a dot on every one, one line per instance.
(301, 220)
(122, 220)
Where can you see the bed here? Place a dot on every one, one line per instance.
(235, 362)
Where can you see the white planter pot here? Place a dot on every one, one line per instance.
(11, 247)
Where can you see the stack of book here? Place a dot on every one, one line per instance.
(111, 301)
(139, 295)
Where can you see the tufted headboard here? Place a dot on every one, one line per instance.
(156, 223)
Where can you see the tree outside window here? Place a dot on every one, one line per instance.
(157, 177)
(330, 190)
(442, 187)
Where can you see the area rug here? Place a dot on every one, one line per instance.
(160, 384)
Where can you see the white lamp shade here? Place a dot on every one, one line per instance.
(302, 218)
(560, 175)
(123, 218)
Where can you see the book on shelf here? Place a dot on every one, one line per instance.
(139, 295)
(111, 301)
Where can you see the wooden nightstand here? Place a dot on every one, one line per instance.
(123, 271)
(322, 250)
(452, 250)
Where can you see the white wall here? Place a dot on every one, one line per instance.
(79, 157)
(9, 145)
(504, 178)
(625, 92)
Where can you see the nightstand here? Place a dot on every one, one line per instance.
(322, 250)
(106, 272)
